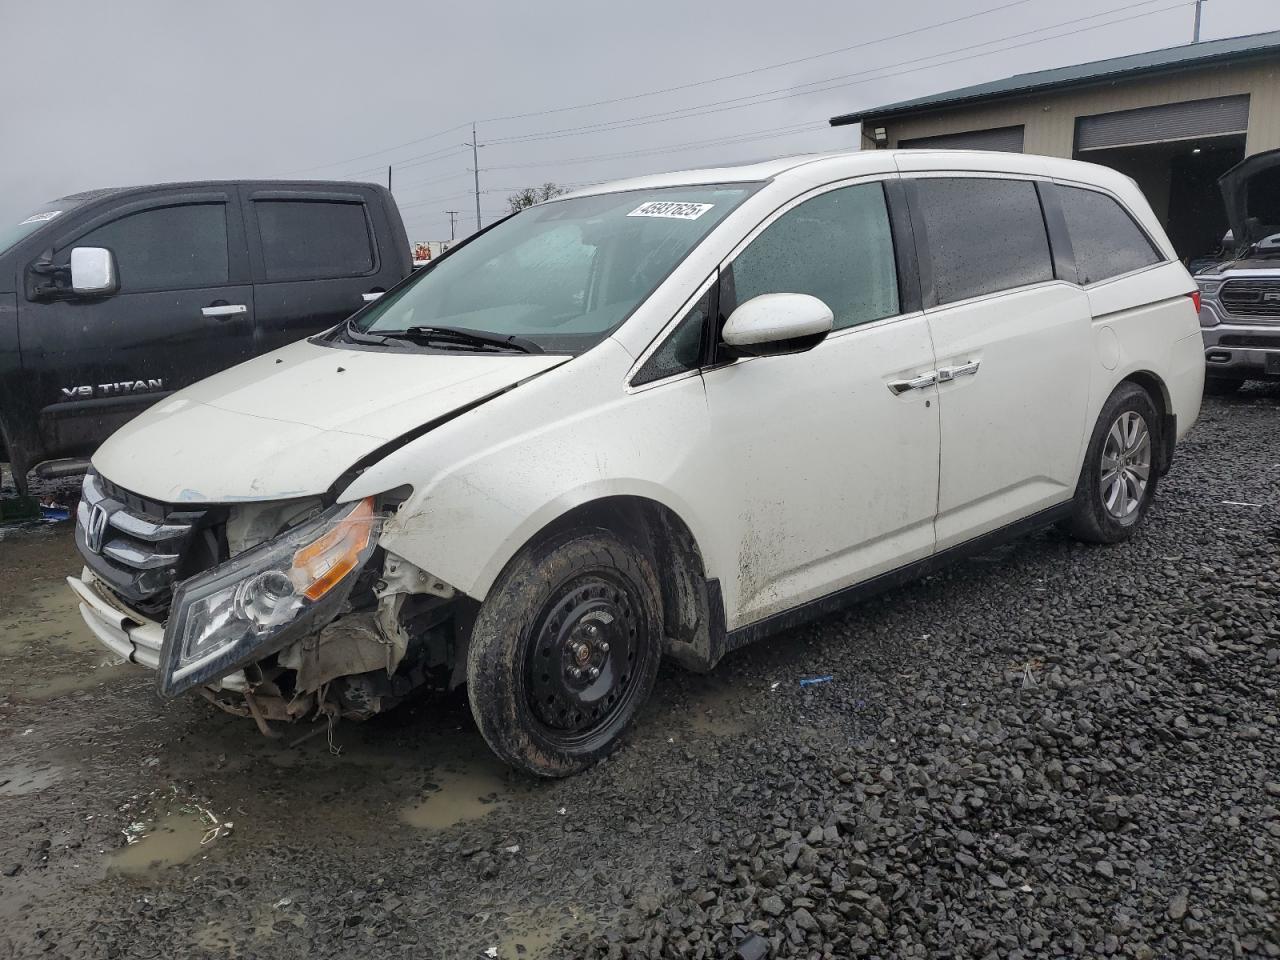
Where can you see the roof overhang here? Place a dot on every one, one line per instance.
(1096, 74)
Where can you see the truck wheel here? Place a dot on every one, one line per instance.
(1118, 479)
(564, 651)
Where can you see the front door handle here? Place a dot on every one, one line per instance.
(222, 311)
(897, 387)
(963, 370)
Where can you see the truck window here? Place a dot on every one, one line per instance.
(165, 248)
(1104, 239)
(983, 235)
(312, 239)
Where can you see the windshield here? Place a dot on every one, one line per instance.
(11, 233)
(561, 274)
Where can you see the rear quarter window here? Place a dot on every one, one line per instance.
(1105, 240)
(314, 239)
(983, 235)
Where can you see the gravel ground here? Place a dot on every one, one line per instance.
(1051, 750)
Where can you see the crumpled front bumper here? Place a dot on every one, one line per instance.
(126, 632)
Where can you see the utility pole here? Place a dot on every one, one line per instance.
(475, 168)
(453, 223)
(1196, 37)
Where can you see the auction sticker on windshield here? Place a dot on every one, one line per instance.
(672, 209)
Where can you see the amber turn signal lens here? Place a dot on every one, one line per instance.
(320, 565)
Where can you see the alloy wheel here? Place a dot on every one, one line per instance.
(1126, 465)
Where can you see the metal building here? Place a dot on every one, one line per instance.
(1174, 120)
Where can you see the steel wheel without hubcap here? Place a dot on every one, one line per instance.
(1126, 466)
(584, 663)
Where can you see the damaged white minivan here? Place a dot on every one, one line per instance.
(661, 417)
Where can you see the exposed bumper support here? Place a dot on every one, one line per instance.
(126, 632)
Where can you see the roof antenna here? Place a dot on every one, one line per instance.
(1196, 36)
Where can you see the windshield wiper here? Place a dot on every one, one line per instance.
(355, 336)
(463, 337)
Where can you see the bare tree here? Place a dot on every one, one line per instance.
(531, 195)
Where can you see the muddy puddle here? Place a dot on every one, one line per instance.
(175, 833)
(458, 796)
(718, 708)
(25, 779)
(46, 651)
(533, 934)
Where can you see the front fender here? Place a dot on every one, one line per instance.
(486, 483)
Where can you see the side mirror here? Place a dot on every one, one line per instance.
(93, 272)
(774, 324)
(1269, 244)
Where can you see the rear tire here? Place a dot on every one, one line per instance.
(564, 652)
(1221, 386)
(1118, 480)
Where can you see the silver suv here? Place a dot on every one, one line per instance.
(1240, 296)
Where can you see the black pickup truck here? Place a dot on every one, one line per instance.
(112, 300)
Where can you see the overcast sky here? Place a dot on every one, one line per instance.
(137, 91)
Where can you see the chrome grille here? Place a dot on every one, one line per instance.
(141, 548)
(1252, 298)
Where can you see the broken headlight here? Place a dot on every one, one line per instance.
(267, 597)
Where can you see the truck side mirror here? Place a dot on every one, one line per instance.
(93, 272)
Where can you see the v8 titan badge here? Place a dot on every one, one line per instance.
(671, 209)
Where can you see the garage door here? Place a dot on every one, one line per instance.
(1006, 139)
(1170, 121)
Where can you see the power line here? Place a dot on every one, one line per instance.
(431, 156)
(375, 153)
(789, 130)
(684, 86)
(427, 183)
(765, 96)
(427, 200)
(767, 67)
(736, 103)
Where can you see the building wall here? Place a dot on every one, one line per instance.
(1049, 119)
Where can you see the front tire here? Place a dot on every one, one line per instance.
(564, 652)
(1118, 480)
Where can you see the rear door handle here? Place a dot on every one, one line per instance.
(225, 310)
(897, 387)
(962, 370)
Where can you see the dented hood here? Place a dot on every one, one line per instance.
(289, 423)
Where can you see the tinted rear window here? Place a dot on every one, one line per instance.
(983, 235)
(1104, 239)
(313, 239)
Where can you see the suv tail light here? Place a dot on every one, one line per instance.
(1195, 298)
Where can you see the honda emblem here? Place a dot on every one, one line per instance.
(96, 529)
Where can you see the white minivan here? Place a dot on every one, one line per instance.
(665, 416)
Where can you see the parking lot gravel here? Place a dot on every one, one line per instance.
(1049, 750)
